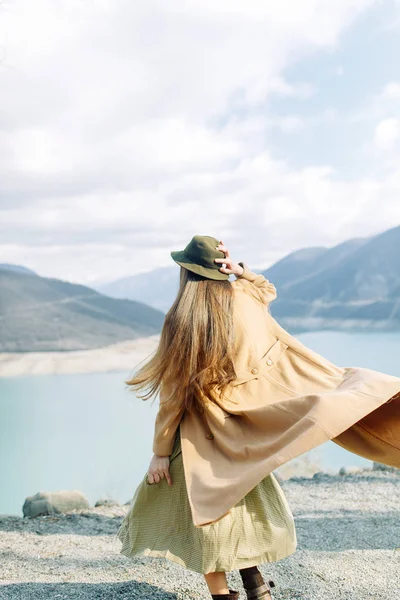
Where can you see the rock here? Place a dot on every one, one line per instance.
(50, 503)
(352, 470)
(381, 467)
(106, 502)
(320, 475)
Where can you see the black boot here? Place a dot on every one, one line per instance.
(254, 584)
(231, 596)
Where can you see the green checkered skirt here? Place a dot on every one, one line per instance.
(260, 528)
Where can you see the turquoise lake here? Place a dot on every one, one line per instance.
(89, 432)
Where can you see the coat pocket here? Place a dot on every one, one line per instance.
(263, 365)
(272, 356)
(275, 371)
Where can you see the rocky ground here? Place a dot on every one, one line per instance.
(348, 530)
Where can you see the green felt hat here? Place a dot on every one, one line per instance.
(199, 255)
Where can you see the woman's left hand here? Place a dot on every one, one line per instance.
(158, 469)
(231, 267)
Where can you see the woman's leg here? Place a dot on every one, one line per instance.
(217, 583)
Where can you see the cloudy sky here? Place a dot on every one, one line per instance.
(128, 126)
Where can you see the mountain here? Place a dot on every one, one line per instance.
(156, 288)
(43, 314)
(355, 285)
(17, 269)
(298, 264)
(293, 265)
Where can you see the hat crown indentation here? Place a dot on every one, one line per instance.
(202, 250)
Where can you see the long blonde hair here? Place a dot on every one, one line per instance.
(196, 344)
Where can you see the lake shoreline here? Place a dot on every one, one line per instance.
(343, 529)
(122, 356)
(340, 347)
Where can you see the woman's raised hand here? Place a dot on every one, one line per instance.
(231, 267)
(158, 469)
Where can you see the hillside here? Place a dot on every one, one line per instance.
(46, 314)
(352, 286)
(355, 285)
(156, 288)
(16, 269)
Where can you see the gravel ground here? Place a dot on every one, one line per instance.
(348, 530)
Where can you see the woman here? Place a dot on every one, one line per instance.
(240, 396)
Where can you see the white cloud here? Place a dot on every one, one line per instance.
(261, 208)
(264, 87)
(127, 127)
(381, 105)
(387, 133)
(381, 118)
(391, 91)
(290, 123)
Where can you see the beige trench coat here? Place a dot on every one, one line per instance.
(286, 400)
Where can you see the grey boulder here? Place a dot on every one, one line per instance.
(106, 502)
(321, 476)
(51, 503)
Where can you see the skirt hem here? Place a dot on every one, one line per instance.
(266, 557)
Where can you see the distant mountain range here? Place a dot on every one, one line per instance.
(158, 288)
(16, 269)
(354, 285)
(44, 314)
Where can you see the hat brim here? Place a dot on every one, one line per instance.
(183, 260)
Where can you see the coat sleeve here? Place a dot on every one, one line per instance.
(167, 421)
(257, 284)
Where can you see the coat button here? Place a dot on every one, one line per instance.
(210, 436)
(254, 371)
(269, 362)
